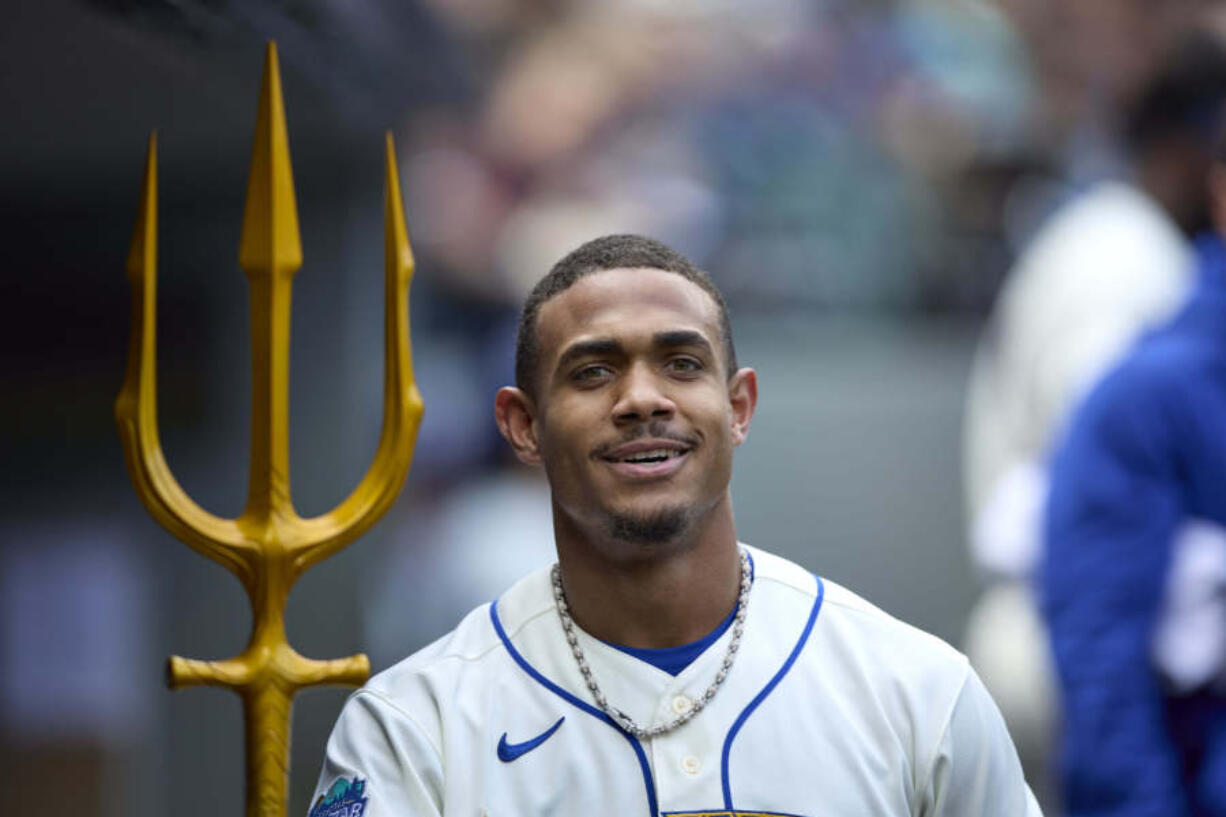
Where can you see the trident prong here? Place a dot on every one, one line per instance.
(268, 546)
(402, 405)
(136, 409)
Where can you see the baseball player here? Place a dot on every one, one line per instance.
(661, 667)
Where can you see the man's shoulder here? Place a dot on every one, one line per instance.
(886, 637)
(849, 623)
(1108, 254)
(1114, 210)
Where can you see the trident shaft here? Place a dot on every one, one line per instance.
(268, 546)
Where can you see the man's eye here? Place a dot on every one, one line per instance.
(592, 372)
(684, 365)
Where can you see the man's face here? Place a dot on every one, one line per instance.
(635, 417)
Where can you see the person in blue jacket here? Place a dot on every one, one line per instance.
(1133, 578)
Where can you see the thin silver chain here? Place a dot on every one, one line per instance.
(623, 720)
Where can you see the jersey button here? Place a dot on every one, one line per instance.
(682, 704)
(691, 764)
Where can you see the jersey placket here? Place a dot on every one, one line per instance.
(686, 761)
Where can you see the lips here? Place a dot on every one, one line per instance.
(653, 456)
(648, 448)
(647, 458)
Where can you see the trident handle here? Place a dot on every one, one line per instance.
(268, 546)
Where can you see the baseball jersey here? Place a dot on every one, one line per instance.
(831, 709)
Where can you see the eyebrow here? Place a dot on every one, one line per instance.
(675, 338)
(589, 348)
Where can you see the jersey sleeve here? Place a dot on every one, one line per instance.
(1111, 519)
(379, 763)
(975, 771)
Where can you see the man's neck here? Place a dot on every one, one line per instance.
(665, 601)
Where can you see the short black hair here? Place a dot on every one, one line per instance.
(1184, 97)
(598, 255)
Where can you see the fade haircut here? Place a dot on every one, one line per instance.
(598, 255)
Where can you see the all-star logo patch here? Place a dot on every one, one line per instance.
(345, 798)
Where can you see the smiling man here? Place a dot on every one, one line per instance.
(661, 667)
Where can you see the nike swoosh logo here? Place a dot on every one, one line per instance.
(510, 751)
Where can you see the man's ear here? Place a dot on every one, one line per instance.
(515, 414)
(743, 397)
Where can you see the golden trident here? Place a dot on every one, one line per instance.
(268, 546)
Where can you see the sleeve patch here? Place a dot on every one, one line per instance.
(345, 798)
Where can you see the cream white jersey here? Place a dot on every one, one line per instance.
(831, 709)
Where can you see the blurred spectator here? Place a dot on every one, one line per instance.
(1113, 261)
(1133, 579)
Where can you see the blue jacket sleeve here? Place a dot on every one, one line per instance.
(1110, 520)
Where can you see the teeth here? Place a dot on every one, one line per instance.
(652, 456)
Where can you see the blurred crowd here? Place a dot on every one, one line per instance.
(778, 145)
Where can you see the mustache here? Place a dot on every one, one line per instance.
(656, 430)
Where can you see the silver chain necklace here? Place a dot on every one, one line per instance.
(623, 720)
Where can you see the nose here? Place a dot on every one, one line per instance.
(642, 397)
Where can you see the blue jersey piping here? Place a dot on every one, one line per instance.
(586, 707)
(766, 690)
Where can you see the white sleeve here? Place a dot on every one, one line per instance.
(975, 771)
(379, 763)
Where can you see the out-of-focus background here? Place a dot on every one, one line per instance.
(858, 175)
